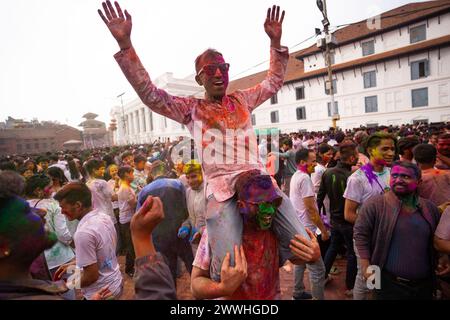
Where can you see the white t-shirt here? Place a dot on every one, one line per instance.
(112, 184)
(302, 187)
(101, 197)
(95, 242)
(359, 189)
(316, 176)
(56, 222)
(125, 210)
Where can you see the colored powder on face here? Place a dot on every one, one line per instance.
(264, 210)
(378, 158)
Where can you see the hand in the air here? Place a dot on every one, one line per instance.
(274, 25)
(119, 24)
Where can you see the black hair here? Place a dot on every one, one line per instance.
(123, 170)
(425, 153)
(57, 174)
(324, 148)
(11, 184)
(375, 139)
(36, 181)
(74, 172)
(287, 142)
(94, 164)
(407, 143)
(8, 165)
(139, 158)
(302, 154)
(74, 192)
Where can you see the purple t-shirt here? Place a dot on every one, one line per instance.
(409, 255)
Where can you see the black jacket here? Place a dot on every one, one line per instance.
(333, 185)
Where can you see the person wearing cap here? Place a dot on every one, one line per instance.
(255, 275)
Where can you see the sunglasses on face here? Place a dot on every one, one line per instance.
(211, 69)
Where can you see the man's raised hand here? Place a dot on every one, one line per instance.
(119, 24)
(274, 26)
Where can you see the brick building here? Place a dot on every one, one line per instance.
(34, 138)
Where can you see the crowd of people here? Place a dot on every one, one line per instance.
(378, 196)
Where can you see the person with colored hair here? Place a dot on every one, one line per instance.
(194, 226)
(394, 232)
(255, 276)
(217, 113)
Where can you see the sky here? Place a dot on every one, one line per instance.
(56, 56)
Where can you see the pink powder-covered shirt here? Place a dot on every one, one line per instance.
(222, 132)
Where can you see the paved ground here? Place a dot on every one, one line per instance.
(333, 291)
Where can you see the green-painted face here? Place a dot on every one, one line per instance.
(265, 214)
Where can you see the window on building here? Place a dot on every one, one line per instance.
(420, 69)
(36, 145)
(419, 97)
(368, 48)
(274, 117)
(44, 145)
(327, 91)
(274, 99)
(301, 113)
(28, 146)
(253, 120)
(371, 104)
(330, 112)
(19, 147)
(418, 33)
(370, 79)
(300, 93)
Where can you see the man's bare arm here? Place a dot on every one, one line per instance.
(311, 207)
(203, 287)
(350, 210)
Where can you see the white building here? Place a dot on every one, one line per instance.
(136, 123)
(387, 71)
(398, 73)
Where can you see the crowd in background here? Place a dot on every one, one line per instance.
(321, 172)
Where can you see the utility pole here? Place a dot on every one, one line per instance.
(329, 43)
(123, 117)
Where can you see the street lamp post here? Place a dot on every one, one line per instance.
(123, 117)
(329, 42)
